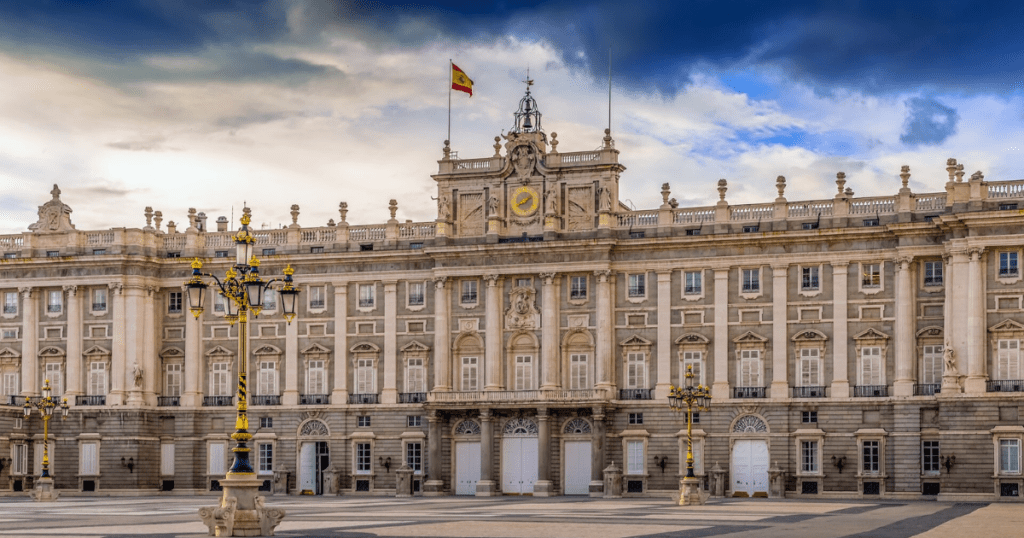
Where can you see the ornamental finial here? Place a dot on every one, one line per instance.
(288, 271)
(197, 264)
(246, 219)
(253, 262)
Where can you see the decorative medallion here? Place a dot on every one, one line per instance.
(522, 312)
(525, 201)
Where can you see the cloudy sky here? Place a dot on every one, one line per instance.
(212, 104)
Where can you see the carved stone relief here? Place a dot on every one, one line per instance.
(471, 214)
(522, 312)
(580, 208)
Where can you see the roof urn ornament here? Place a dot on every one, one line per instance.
(905, 175)
(840, 181)
(723, 186)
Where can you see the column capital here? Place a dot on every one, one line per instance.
(542, 413)
(439, 282)
(432, 416)
(71, 289)
(485, 415)
(116, 287)
(390, 286)
(549, 278)
(903, 262)
(25, 291)
(975, 253)
(151, 290)
(776, 267)
(839, 267)
(603, 274)
(492, 280)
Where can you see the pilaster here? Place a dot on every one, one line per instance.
(780, 342)
(976, 371)
(442, 336)
(664, 345)
(290, 396)
(543, 487)
(492, 369)
(73, 373)
(390, 392)
(29, 343)
(597, 445)
(119, 346)
(904, 384)
(720, 388)
(150, 341)
(434, 485)
(486, 487)
(840, 330)
(340, 392)
(549, 333)
(193, 394)
(603, 348)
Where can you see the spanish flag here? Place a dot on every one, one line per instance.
(460, 81)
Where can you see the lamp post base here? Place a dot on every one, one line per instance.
(690, 493)
(44, 492)
(242, 511)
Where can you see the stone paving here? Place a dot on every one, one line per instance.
(521, 517)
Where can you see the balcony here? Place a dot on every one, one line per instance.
(634, 394)
(14, 399)
(926, 389)
(168, 401)
(218, 401)
(265, 399)
(808, 392)
(99, 307)
(870, 391)
(748, 392)
(363, 399)
(10, 309)
(315, 399)
(1005, 385)
(90, 400)
(412, 397)
(516, 396)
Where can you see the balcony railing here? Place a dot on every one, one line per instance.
(1005, 385)
(808, 392)
(363, 399)
(218, 401)
(10, 309)
(748, 392)
(52, 308)
(926, 389)
(868, 391)
(634, 394)
(14, 399)
(99, 307)
(266, 399)
(90, 400)
(314, 399)
(168, 401)
(517, 396)
(412, 397)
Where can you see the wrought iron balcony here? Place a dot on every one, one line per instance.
(808, 392)
(1005, 385)
(634, 394)
(265, 399)
(314, 399)
(168, 401)
(99, 307)
(14, 399)
(748, 392)
(218, 401)
(363, 399)
(90, 400)
(869, 391)
(9, 309)
(517, 396)
(412, 397)
(926, 389)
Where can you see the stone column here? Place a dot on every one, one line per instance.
(597, 454)
(150, 340)
(193, 394)
(442, 337)
(73, 372)
(290, 396)
(604, 344)
(550, 365)
(905, 316)
(840, 343)
(976, 376)
(390, 392)
(543, 486)
(119, 346)
(780, 340)
(486, 486)
(133, 344)
(720, 388)
(492, 368)
(434, 485)
(957, 286)
(29, 343)
(340, 393)
(664, 344)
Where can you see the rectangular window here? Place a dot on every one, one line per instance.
(809, 278)
(694, 360)
(414, 421)
(524, 372)
(266, 422)
(578, 370)
(99, 300)
(9, 334)
(11, 386)
(751, 280)
(637, 285)
(219, 379)
(216, 459)
(316, 250)
(316, 378)
(871, 275)
(53, 254)
(636, 418)
(931, 369)
(269, 251)
(317, 297)
(809, 456)
(11, 302)
(367, 295)
(220, 254)
(89, 464)
(636, 371)
(469, 373)
(578, 287)
(56, 378)
(20, 463)
(363, 421)
(1008, 359)
(365, 377)
(1008, 264)
(363, 461)
(932, 273)
(416, 295)
(468, 292)
(174, 302)
(266, 384)
(871, 366)
(809, 417)
(266, 455)
(750, 368)
(414, 457)
(220, 303)
(869, 457)
(635, 457)
(270, 299)
(172, 386)
(810, 368)
(54, 301)
(524, 282)
(930, 457)
(97, 379)
(415, 376)
(1009, 456)
(692, 283)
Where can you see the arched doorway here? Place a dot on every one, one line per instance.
(749, 458)
(519, 456)
(467, 457)
(576, 457)
(314, 456)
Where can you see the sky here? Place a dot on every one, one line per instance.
(214, 104)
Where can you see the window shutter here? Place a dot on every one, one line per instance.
(167, 459)
(89, 465)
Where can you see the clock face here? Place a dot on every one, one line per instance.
(524, 201)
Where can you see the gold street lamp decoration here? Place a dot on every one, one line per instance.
(685, 398)
(46, 407)
(243, 289)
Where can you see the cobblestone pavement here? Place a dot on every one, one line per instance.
(513, 517)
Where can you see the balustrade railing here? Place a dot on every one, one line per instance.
(314, 399)
(936, 202)
(270, 237)
(416, 230)
(873, 206)
(318, 235)
(173, 241)
(469, 165)
(168, 401)
(363, 399)
(810, 209)
(99, 238)
(869, 391)
(1005, 385)
(1006, 189)
(11, 242)
(751, 212)
(366, 233)
(638, 218)
(748, 392)
(265, 399)
(580, 157)
(697, 214)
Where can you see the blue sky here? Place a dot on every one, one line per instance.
(212, 104)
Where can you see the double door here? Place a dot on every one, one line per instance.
(749, 467)
(518, 465)
(314, 458)
(467, 467)
(577, 467)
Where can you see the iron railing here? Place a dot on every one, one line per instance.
(218, 401)
(314, 399)
(363, 399)
(1005, 385)
(748, 392)
(266, 399)
(168, 401)
(868, 391)
(634, 394)
(412, 397)
(808, 392)
(926, 389)
(90, 400)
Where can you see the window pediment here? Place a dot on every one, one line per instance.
(96, 350)
(750, 337)
(219, 351)
(51, 351)
(315, 349)
(414, 347)
(693, 339)
(930, 332)
(172, 353)
(635, 341)
(267, 349)
(364, 347)
(8, 353)
(871, 335)
(810, 335)
(1007, 327)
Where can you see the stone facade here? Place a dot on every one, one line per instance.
(527, 340)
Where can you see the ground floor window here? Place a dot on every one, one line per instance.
(364, 464)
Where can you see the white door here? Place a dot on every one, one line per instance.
(519, 461)
(467, 468)
(750, 467)
(759, 465)
(307, 467)
(577, 467)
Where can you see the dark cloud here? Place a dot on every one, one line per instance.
(929, 122)
(153, 143)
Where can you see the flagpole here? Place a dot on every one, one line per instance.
(449, 102)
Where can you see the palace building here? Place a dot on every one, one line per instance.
(525, 342)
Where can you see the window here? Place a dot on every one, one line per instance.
(637, 235)
(871, 366)
(266, 422)
(99, 251)
(219, 376)
(469, 292)
(363, 422)
(415, 376)
(1008, 359)
(316, 378)
(870, 222)
(469, 373)
(871, 275)
(869, 457)
(416, 246)
(10, 255)
(54, 301)
(931, 371)
(524, 372)
(97, 379)
(266, 455)
(365, 377)
(270, 299)
(363, 461)
(932, 273)
(635, 457)
(637, 285)
(269, 251)
(636, 371)
(810, 368)
(578, 370)
(809, 417)
(750, 368)
(220, 303)
(99, 300)
(578, 288)
(416, 296)
(692, 359)
(810, 226)
(414, 421)
(636, 418)
(20, 463)
(1009, 456)
(174, 302)
(172, 385)
(220, 254)
(9, 334)
(751, 280)
(316, 250)
(414, 457)
(266, 384)
(55, 376)
(11, 302)
(695, 231)
(367, 295)
(53, 254)
(1008, 264)
(692, 283)
(11, 384)
(809, 279)
(317, 297)
(524, 282)
(173, 254)
(930, 457)
(809, 456)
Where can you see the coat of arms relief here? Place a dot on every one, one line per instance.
(522, 312)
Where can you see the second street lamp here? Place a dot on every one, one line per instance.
(685, 398)
(46, 405)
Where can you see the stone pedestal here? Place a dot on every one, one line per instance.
(331, 476)
(281, 481)
(433, 488)
(950, 385)
(612, 482)
(543, 488)
(717, 481)
(242, 511)
(776, 482)
(44, 492)
(135, 399)
(690, 493)
(403, 481)
(486, 488)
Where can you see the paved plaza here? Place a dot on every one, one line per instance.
(522, 518)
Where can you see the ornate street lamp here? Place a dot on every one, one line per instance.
(243, 288)
(46, 405)
(685, 398)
